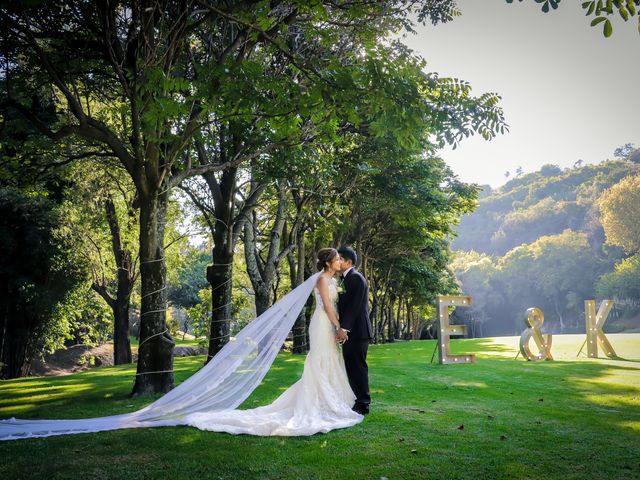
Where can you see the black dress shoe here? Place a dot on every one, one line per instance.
(361, 408)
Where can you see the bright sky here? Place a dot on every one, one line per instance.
(568, 93)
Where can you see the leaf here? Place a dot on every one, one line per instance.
(608, 29)
(597, 20)
(623, 13)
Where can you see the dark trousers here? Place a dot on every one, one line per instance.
(355, 360)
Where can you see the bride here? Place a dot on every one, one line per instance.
(320, 401)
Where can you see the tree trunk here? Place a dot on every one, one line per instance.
(155, 352)
(297, 277)
(219, 277)
(220, 273)
(121, 343)
(263, 274)
(396, 332)
(374, 308)
(390, 326)
(125, 281)
(16, 346)
(559, 313)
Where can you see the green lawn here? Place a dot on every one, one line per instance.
(498, 419)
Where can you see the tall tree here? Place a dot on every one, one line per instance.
(620, 214)
(102, 218)
(37, 271)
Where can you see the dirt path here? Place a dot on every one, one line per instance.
(75, 359)
(84, 357)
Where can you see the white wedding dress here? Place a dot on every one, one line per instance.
(319, 402)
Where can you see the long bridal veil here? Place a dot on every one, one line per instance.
(223, 384)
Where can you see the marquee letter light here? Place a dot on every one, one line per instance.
(595, 322)
(445, 330)
(535, 319)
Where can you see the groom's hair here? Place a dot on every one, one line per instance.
(349, 253)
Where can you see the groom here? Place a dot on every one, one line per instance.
(356, 331)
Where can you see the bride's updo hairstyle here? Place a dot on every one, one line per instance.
(325, 256)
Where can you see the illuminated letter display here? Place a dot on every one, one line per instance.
(445, 330)
(535, 319)
(595, 322)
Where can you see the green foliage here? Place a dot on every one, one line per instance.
(538, 204)
(38, 270)
(199, 315)
(623, 282)
(602, 11)
(620, 214)
(541, 243)
(554, 273)
(191, 278)
(82, 317)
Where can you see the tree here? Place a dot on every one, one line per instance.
(37, 271)
(160, 73)
(623, 282)
(601, 10)
(476, 274)
(190, 279)
(620, 214)
(101, 218)
(550, 170)
(349, 89)
(132, 59)
(623, 151)
(554, 273)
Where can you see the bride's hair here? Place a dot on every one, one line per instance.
(325, 255)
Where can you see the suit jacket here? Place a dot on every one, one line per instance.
(353, 306)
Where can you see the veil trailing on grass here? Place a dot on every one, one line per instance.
(223, 384)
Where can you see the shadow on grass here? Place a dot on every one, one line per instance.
(393, 366)
(622, 359)
(549, 413)
(98, 388)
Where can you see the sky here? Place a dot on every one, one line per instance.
(568, 93)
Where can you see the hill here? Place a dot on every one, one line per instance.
(538, 242)
(545, 202)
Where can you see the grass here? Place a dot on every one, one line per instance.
(573, 418)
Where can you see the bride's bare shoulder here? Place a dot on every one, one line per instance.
(323, 280)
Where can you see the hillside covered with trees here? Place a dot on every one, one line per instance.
(552, 239)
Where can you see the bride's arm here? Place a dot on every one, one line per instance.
(323, 289)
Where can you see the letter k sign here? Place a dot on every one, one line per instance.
(594, 323)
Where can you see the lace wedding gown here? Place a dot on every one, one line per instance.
(319, 402)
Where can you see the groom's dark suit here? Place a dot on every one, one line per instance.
(353, 310)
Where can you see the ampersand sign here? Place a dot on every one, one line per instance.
(535, 319)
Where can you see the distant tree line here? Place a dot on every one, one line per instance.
(552, 239)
